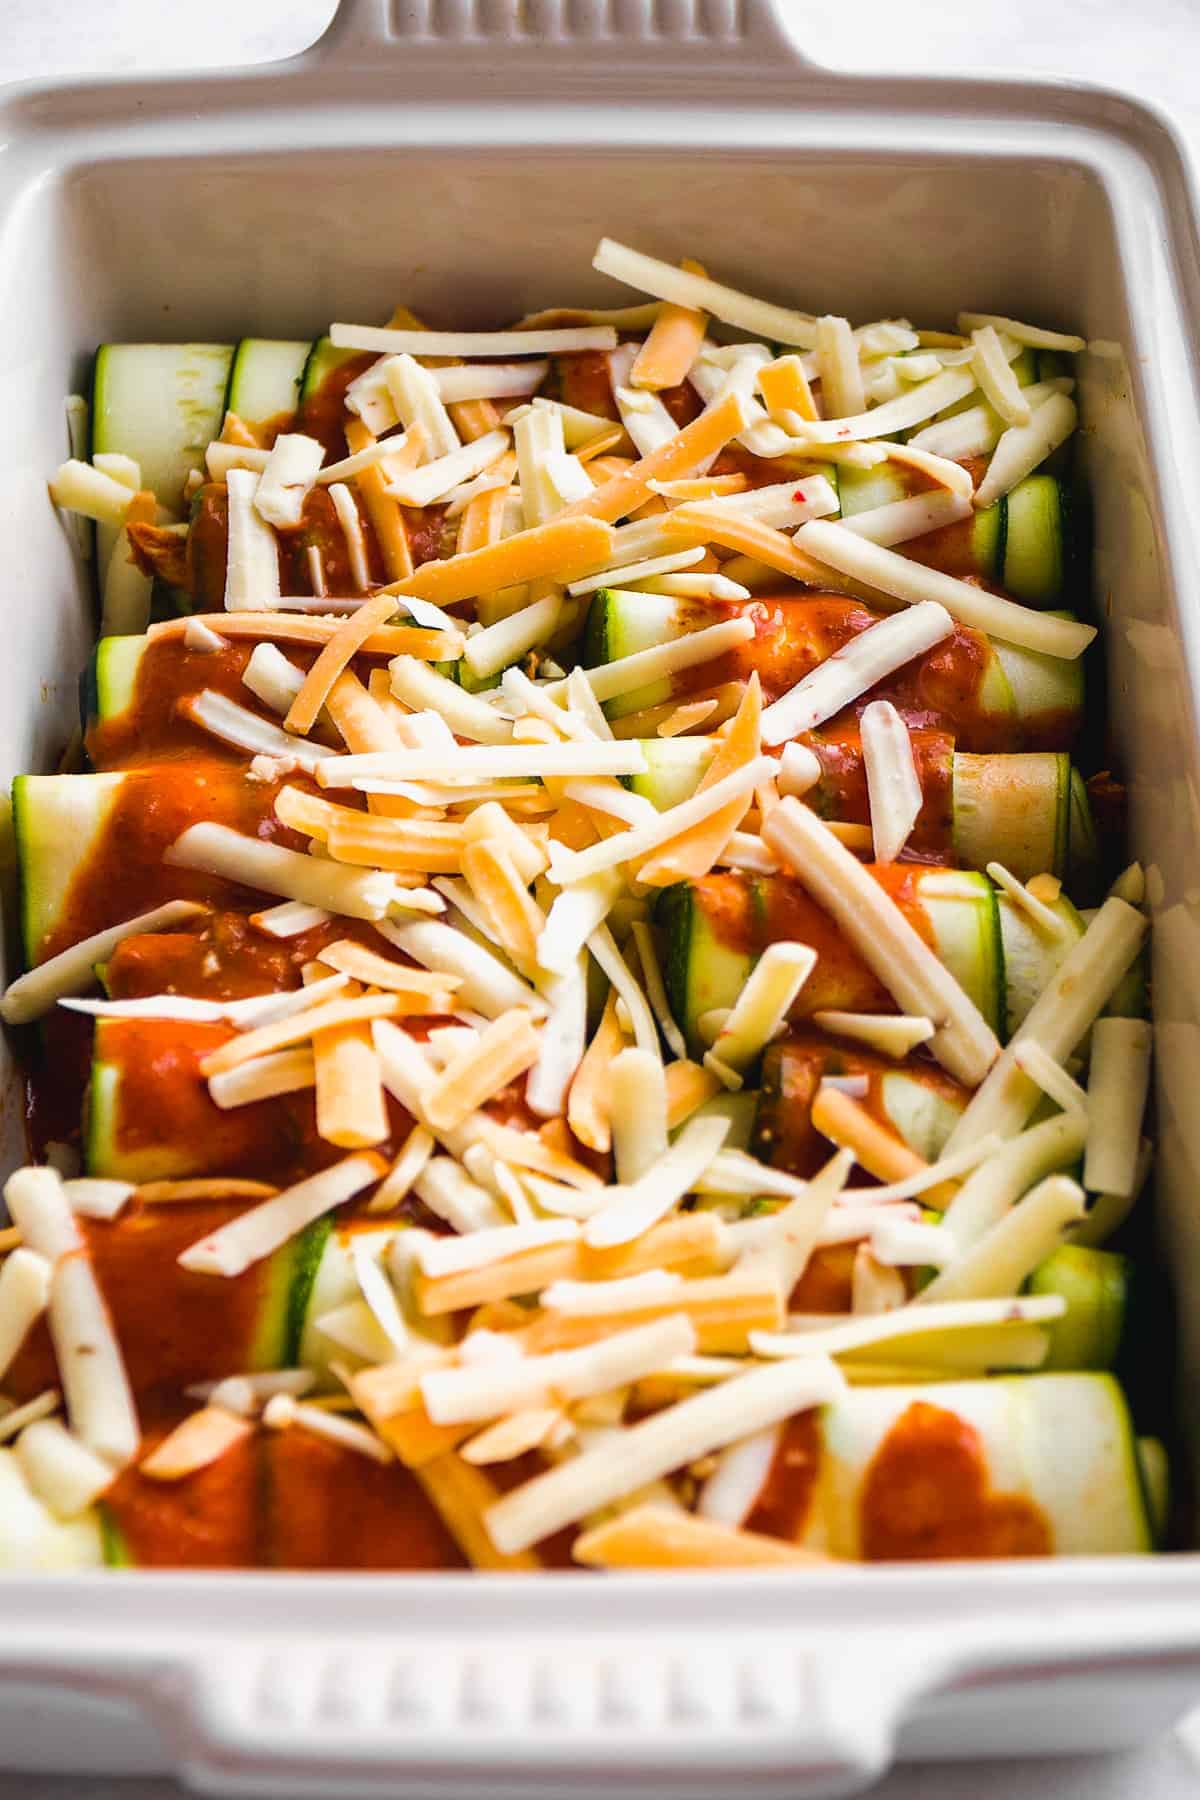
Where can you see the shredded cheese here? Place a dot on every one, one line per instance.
(216, 850)
(60, 1470)
(964, 1043)
(911, 582)
(999, 1262)
(487, 1390)
(647, 1452)
(893, 784)
(692, 447)
(252, 556)
(289, 473)
(691, 290)
(1058, 1019)
(760, 1009)
(996, 380)
(892, 1035)
(562, 549)
(505, 1050)
(633, 1210)
(24, 1295)
(1024, 446)
(1118, 1082)
(837, 363)
(902, 520)
(253, 1235)
(1034, 335)
(200, 1440)
(434, 480)
(518, 342)
(35, 993)
(291, 628)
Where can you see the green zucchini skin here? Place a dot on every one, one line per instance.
(1025, 542)
(1098, 1287)
(265, 377)
(988, 696)
(161, 404)
(918, 1101)
(322, 359)
(717, 927)
(1064, 1442)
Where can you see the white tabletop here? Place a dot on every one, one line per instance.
(1152, 50)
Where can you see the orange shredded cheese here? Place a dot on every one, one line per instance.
(298, 1028)
(387, 521)
(693, 854)
(561, 549)
(341, 649)
(293, 628)
(508, 1047)
(673, 344)
(695, 444)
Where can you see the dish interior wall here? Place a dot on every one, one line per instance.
(219, 248)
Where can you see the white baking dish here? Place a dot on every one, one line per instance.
(438, 153)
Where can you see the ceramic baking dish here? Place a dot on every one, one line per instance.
(464, 158)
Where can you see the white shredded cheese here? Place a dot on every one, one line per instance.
(912, 582)
(855, 668)
(1023, 447)
(252, 554)
(487, 1390)
(678, 1435)
(1058, 1019)
(697, 292)
(964, 1043)
(508, 640)
(467, 715)
(630, 1211)
(261, 1230)
(197, 636)
(373, 770)
(215, 849)
(1118, 1082)
(434, 480)
(907, 1323)
(637, 1105)
(837, 364)
(290, 472)
(245, 730)
(1034, 335)
(272, 678)
(893, 784)
(24, 1295)
(346, 508)
(36, 992)
(998, 1262)
(578, 865)
(389, 342)
(418, 401)
(62, 1472)
(761, 1008)
(996, 380)
(902, 520)
(637, 572)
(79, 487)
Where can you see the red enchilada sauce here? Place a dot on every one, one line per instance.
(927, 1495)
(841, 793)
(175, 1326)
(209, 1520)
(285, 1500)
(782, 1507)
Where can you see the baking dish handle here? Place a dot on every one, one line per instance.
(670, 36)
(673, 1718)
